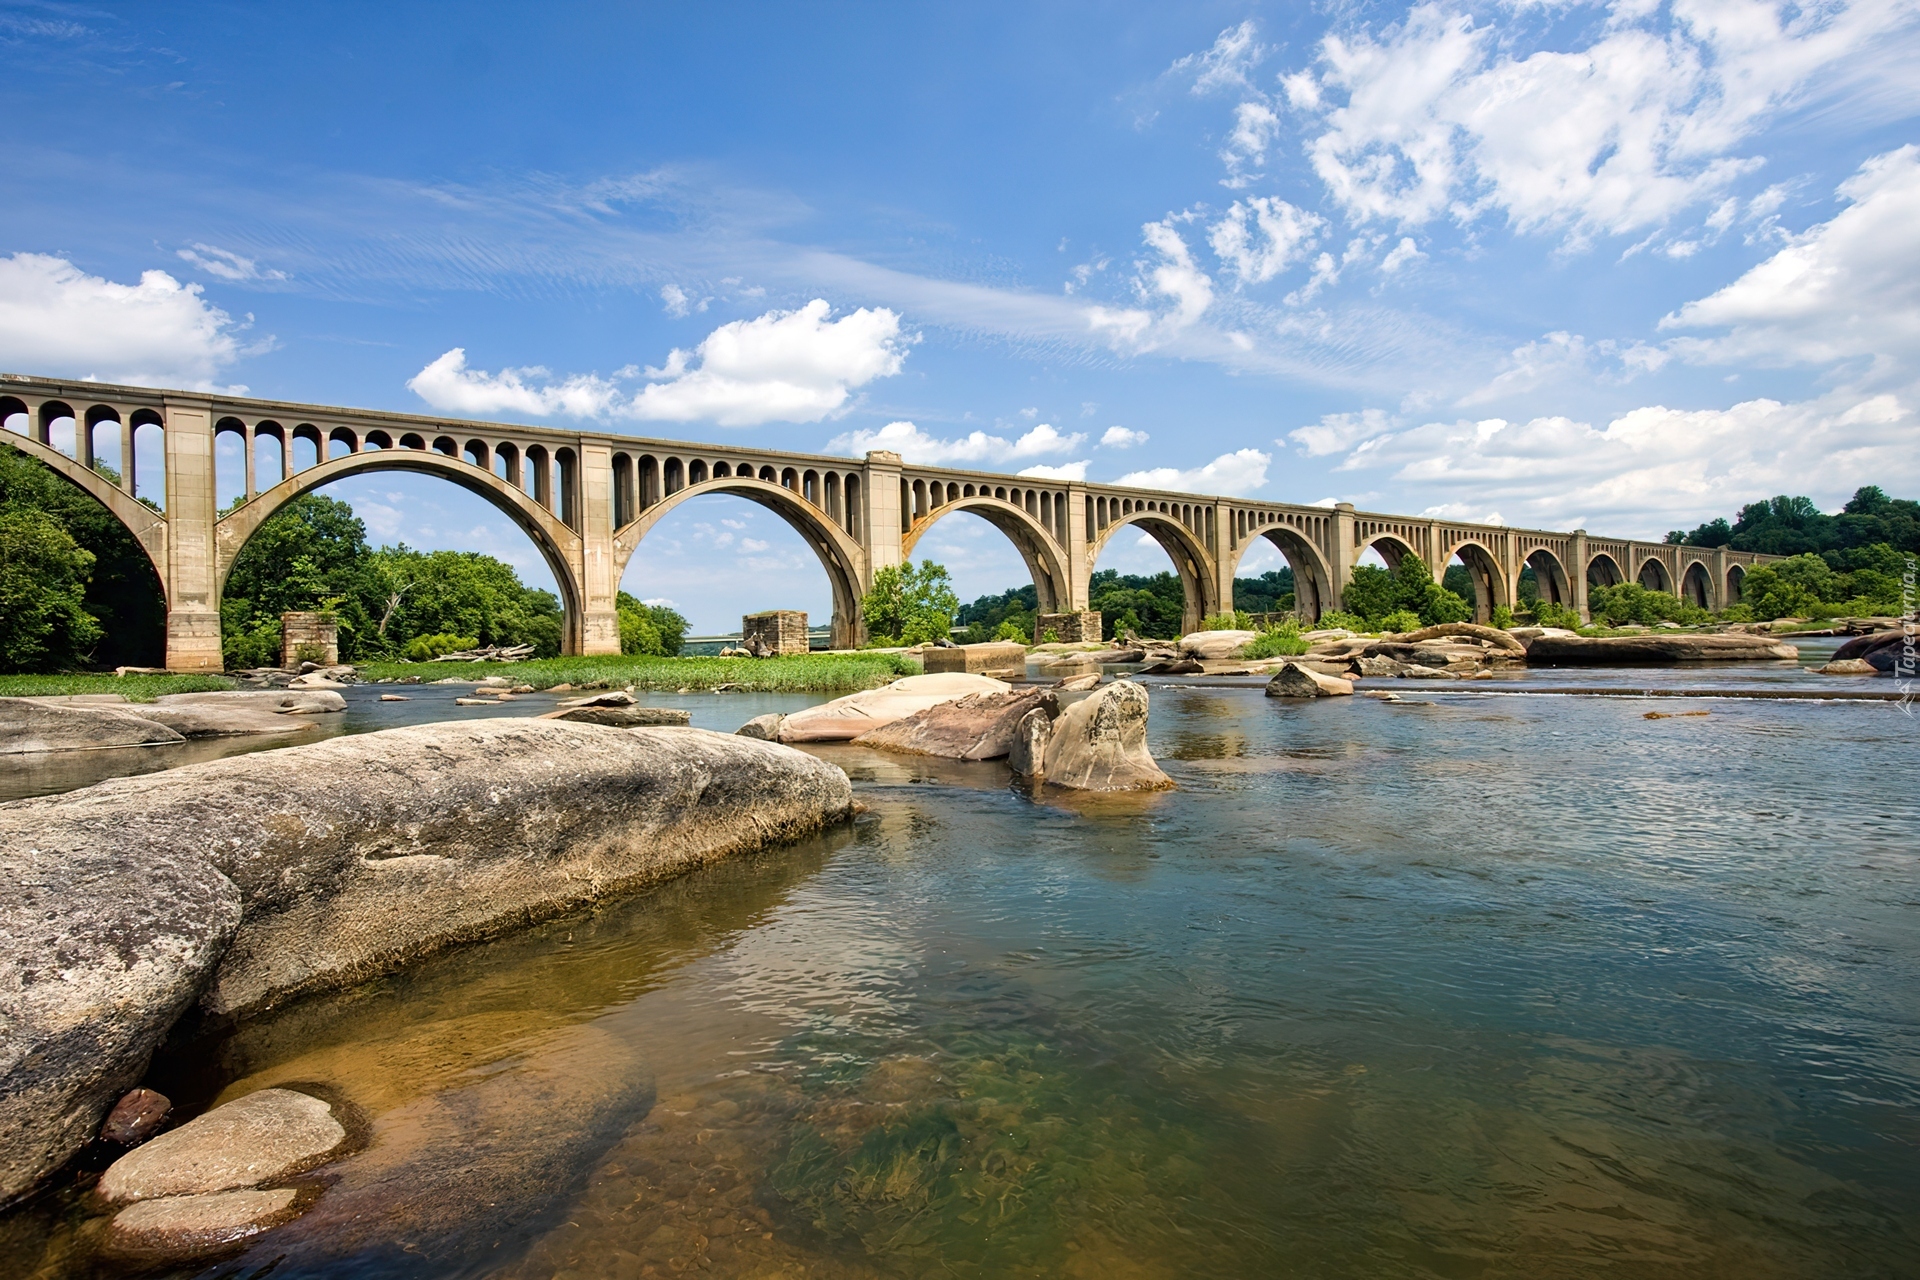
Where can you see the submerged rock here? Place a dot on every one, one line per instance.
(243, 881)
(979, 727)
(263, 1137)
(1100, 743)
(1296, 681)
(136, 1117)
(1644, 650)
(29, 725)
(181, 1227)
(847, 718)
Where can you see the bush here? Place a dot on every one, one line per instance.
(1502, 616)
(1338, 618)
(1400, 620)
(1375, 594)
(653, 630)
(1282, 641)
(427, 648)
(916, 604)
(309, 652)
(1011, 630)
(43, 581)
(1237, 620)
(1630, 603)
(1548, 614)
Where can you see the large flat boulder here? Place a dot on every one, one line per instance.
(241, 882)
(212, 720)
(845, 719)
(978, 727)
(1654, 650)
(28, 725)
(292, 702)
(263, 1137)
(1211, 646)
(1100, 743)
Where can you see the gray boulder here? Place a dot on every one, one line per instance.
(1028, 754)
(623, 717)
(765, 728)
(28, 725)
(1100, 743)
(1654, 650)
(292, 702)
(980, 727)
(244, 881)
(1880, 650)
(211, 720)
(263, 1137)
(1212, 646)
(1295, 681)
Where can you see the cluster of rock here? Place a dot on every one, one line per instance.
(308, 675)
(221, 888)
(96, 721)
(1879, 653)
(1092, 743)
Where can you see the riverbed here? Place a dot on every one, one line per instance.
(1478, 983)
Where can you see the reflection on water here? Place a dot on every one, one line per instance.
(1493, 986)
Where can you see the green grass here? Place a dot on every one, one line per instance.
(812, 673)
(135, 688)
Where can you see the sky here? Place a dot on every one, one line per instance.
(1617, 266)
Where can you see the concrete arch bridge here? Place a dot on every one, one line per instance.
(587, 499)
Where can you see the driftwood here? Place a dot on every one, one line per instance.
(490, 653)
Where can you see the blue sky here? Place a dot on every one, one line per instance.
(1624, 266)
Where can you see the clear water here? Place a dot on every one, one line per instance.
(1472, 986)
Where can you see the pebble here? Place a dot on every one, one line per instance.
(136, 1117)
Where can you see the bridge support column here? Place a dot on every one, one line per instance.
(1340, 555)
(193, 595)
(1226, 557)
(599, 629)
(881, 522)
(1079, 563)
(1577, 575)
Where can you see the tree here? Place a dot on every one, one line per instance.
(649, 628)
(1153, 607)
(910, 604)
(123, 592)
(1271, 592)
(44, 625)
(1375, 594)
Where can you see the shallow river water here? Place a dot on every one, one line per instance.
(1471, 985)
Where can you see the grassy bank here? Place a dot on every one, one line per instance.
(134, 688)
(811, 673)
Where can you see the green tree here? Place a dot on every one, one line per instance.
(1271, 592)
(1153, 607)
(123, 592)
(1376, 594)
(44, 624)
(464, 593)
(909, 603)
(648, 628)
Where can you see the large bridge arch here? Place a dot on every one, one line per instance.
(1045, 561)
(1312, 575)
(841, 556)
(1491, 586)
(1696, 584)
(148, 527)
(1549, 575)
(558, 544)
(1391, 548)
(1654, 575)
(1183, 547)
(1604, 571)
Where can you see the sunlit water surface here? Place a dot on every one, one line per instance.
(1468, 986)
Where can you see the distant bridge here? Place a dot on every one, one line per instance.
(589, 498)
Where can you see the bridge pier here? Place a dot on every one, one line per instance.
(190, 576)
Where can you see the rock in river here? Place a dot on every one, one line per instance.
(187, 1226)
(136, 1117)
(1100, 743)
(979, 727)
(1210, 646)
(263, 1137)
(28, 725)
(1296, 681)
(847, 718)
(1647, 650)
(240, 882)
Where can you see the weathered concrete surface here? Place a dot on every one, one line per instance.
(1296, 681)
(847, 718)
(100, 953)
(321, 865)
(1646, 650)
(28, 725)
(182, 1227)
(1100, 743)
(995, 658)
(262, 1137)
(980, 727)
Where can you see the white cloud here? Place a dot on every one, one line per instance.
(1174, 276)
(1228, 64)
(1403, 253)
(1122, 438)
(56, 319)
(1845, 288)
(1434, 116)
(226, 264)
(915, 445)
(1064, 471)
(680, 304)
(784, 366)
(1254, 126)
(1239, 472)
(1337, 432)
(1262, 236)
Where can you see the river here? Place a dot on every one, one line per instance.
(1476, 984)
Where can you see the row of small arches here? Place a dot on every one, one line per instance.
(125, 446)
(641, 480)
(920, 498)
(1103, 511)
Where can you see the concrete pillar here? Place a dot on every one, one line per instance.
(246, 442)
(1079, 538)
(599, 629)
(1226, 554)
(193, 594)
(1577, 575)
(1434, 554)
(880, 522)
(1340, 555)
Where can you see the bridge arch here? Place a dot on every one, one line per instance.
(1491, 587)
(148, 527)
(1391, 548)
(1736, 584)
(558, 544)
(1696, 584)
(1183, 547)
(1312, 576)
(1604, 571)
(1654, 575)
(1045, 561)
(1550, 576)
(842, 557)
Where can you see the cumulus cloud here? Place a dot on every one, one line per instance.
(1845, 288)
(57, 319)
(784, 366)
(1173, 275)
(1239, 472)
(1063, 471)
(915, 445)
(1262, 236)
(1438, 116)
(680, 304)
(1338, 432)
(1254, 126)
(1122, 438)
(226, 264)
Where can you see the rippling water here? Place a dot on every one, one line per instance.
(1464, 986)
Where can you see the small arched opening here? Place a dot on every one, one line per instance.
(1736, 581)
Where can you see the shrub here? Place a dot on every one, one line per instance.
(427, 648)
(43, 580)
(1401, 620)
(1011, 630)
(1502, 616)
(1338, 618)
(1630, 603)
(1237, 620)
(1548, 614)
(916, 603)
(1282, 641)
(309, 652)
